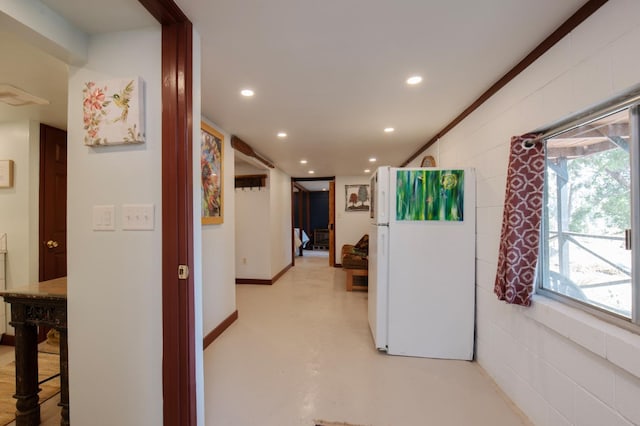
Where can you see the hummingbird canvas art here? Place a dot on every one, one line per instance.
(113, 112)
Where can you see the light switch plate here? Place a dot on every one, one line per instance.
(104, 218)
(138, 217)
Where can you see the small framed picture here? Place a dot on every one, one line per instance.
(356, 198)
(6, 173)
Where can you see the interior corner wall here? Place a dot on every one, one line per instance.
(115, 277)
(281, 225)
(218, 249)
(350, 226)
(20, 142)
(558, 364)
(263, 226)
(19, 205)
(252, 233)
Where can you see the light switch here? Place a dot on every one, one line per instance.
(138, 217)
(104, 218)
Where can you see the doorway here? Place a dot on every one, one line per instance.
(313, 217)
(53, 203)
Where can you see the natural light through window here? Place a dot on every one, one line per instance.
(587, 215)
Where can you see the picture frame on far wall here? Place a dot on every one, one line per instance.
(6, 173)
(357, 198)
(212, 175)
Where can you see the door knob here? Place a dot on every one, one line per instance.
(52, 244)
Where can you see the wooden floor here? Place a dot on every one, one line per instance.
(49, 410)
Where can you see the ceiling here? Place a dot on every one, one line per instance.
(332, 74)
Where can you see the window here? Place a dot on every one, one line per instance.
(587, 222)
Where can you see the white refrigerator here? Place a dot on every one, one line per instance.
(422, 262)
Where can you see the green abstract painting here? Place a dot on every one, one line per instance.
(430, 195)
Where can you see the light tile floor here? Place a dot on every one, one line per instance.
(302, 350)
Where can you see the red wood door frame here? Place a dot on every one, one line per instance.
(178, 318)
(332, 222)
(177, 227)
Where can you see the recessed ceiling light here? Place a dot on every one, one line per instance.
(372, 160)
(303, 161)
(247, 93)
(388, 129)
(282, 135)
(414, 79)
(324, 189)
(311, 172)
(367, 170)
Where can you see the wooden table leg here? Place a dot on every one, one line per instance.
(349, 281)
(27, 408)
(64, 378)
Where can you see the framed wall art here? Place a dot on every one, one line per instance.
(430, 195)
(6, 173)
(356, 198)
(113, 112)
(212, 174)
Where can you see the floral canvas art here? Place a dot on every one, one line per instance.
(113, 112)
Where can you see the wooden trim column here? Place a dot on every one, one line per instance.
(178, 304)
(179, 384)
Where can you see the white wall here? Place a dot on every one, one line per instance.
(36, 23)
(114, 278)
(19, 206)
(253, 228)
(20, 142)
(218, 250)
(281, 227)
(561, 366)
(200, 304)
(350, 226)
(263, 226)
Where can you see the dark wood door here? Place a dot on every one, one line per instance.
(53, 203)
(332, 221)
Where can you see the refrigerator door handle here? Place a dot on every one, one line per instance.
(383, 206)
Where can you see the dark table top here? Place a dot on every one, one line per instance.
(55, 289)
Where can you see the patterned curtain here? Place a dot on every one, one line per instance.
(520, 234)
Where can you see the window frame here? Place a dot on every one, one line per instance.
(629, 101)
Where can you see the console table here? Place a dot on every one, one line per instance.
(44, 303)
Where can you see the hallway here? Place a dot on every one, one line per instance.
(301, 350)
